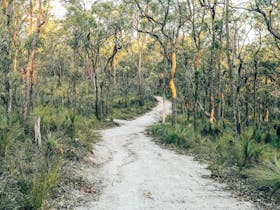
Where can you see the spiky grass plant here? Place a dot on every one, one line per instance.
(267, 175)
(250, 151)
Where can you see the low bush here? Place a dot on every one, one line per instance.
(268, 174)
(250, 152)
(179, 137)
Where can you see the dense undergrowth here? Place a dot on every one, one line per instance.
(253, 156)
(29, 173)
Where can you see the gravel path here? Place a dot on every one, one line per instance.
(138, 174)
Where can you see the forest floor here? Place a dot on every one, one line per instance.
(127, 170)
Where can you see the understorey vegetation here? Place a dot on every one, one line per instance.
(62, 77)
(29, 172)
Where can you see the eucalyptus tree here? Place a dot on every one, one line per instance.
(29, 73)
(96, 37)
(212, 9)
(269, 11)
(164, 20)
(13, 15)
(197, 23)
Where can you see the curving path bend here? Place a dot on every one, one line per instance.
(137, 174)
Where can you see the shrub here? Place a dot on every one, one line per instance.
(42, 185)
(267, 175)
(211, 131)
(257, 135)
(168, 135)
(268, 138)
(250, 152)
(276, 141)
(221, 147)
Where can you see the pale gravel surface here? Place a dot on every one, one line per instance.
(137, 174)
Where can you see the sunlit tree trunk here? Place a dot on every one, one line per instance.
(173, 89)
(4, 4)
(30, 74)
(266, 113)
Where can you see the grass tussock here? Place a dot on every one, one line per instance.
(168, 135)
(268, 174)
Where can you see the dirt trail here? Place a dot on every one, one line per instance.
(138, 174)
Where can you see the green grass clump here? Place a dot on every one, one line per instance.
(42, 185)
(120, 111)
(267, 175)
(168, 135)
(250, 152)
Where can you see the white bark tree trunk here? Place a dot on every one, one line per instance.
(37, 131)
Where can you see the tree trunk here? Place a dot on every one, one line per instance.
(97, 114)
(195, 101)
(255, 90)
(101, 101)
(163, 109)
(212, 111)
(173, 90)
(28, 77)
(139, 67)
(230, 66)
(74, 77)
(30, 74)
(8, 11)
(37, 131)
(211, 69)
(266, 113)
(238, 126)
(222, 109)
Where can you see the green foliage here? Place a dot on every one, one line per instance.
(267, 175)
(168, 135)
(73, 60)
(127, 110)
(276, 141)
(30, 40)
(257, 135)
(41, 186)
(8, 137)
(221, 146)
(268, 138)
(250, 151)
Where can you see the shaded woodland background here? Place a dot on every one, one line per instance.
(218, 61)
